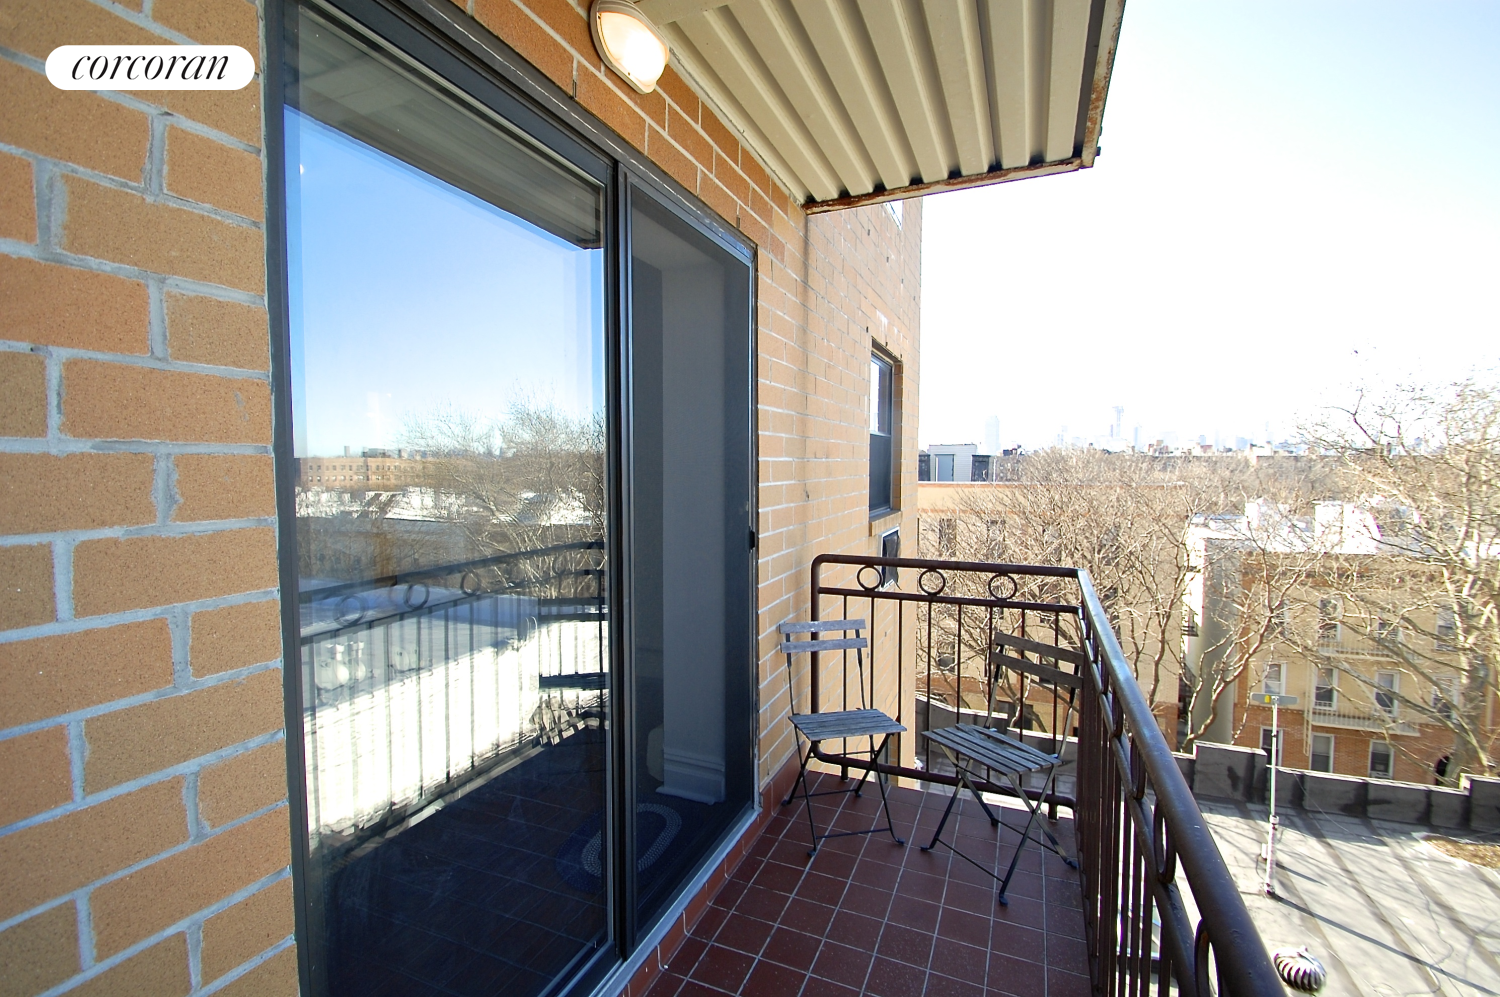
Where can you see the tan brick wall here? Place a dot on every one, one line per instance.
(145, 846)
(144, 831)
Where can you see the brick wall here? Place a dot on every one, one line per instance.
(144, 831)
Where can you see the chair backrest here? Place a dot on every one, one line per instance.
(814, 643)
(1047, 675)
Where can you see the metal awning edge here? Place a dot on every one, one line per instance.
(939, 186)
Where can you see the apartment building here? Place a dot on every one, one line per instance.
(1292, 606)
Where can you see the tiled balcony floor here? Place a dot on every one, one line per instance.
(868, 917)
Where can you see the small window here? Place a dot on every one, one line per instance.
(1274, 683)
(947, 537)
(1330, 611)
(1189, 621)
(1387, 684)
(1446, 630)
(890, 546)
(1322, 753)
(1380, 760)
(1445, 698)
(942, 467)
(882, 434)
(1325, 690)
(1267, 738)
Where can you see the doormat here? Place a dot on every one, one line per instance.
(580, 860)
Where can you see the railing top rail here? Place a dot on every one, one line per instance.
(983, 567)
(440, 571)
(1237, 945)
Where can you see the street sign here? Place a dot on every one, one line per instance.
(1267, 699)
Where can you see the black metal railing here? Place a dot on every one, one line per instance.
(1161, 910)
(417, 684)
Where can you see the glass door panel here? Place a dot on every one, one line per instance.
(690, 725)
(446, 300)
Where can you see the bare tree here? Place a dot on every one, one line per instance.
(1427, 461)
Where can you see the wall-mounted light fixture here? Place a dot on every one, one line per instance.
(628, 42)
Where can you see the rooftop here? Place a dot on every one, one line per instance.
(1384, 910)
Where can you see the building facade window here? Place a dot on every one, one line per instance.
(1380, 760)
(1325, 689)
(1446, 629)
(882, 434)
(1387, 685)
(1268, 739)
(1274, 681)
(483, 735)
(1330, 632)
(1321, 756)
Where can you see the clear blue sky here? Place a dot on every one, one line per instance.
(411, 298)
(1293, 198)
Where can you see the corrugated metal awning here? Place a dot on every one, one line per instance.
(854, 101)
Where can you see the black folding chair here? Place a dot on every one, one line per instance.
(971, 746)
(829, 726)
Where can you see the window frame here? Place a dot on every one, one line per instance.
(881, 357)
(1312, 752)
(1392, 692)
(1378, 746)
(439, 40)
(1332, 686)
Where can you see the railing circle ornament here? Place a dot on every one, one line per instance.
(469, 583)
(1202, 951)
(926, 586)
(997, 579)
(869, 586)
(417, 594)
(1137, 771)
(1163, 855)
(350, 610)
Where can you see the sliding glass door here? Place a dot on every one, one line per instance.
(516, 401)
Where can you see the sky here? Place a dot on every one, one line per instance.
(1294, 199)
(411, 299)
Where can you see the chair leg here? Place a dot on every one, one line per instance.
(806, 796)
(944, 822)
(885, 803)
(1015, 859)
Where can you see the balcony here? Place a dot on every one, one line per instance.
(1152, 897)
(1358, 717)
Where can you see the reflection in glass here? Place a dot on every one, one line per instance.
(691, 561)
(446, 289)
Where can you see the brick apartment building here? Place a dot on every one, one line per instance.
(196, 777)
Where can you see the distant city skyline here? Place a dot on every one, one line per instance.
(1271, 222)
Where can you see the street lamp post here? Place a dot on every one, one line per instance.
(1275, 703)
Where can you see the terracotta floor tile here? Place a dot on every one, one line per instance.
(905, 945)
(849, 928)
(1016, 976)
(866, 901)
(779, 878)
(918, 914)
(816, 987)
(822, 889)
(1071, 955)
(1019, 941)
(769, 979)
(974, 899)
(832, 864)
(666, 985)
(687, 955)
(723, 968)
(962, 926)
(744, 934)
(842, 964)
(882, 849)
(920, 886)
(762, 903)
(792, 948)
(713, 918)
(895, 979)
(808, 917)
(877, 875)
(1067, 985)
(960, 961)
(692, 988)
(945, 986)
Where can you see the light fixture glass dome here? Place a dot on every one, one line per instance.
(629, 43)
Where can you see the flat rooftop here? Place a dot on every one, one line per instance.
(1385, 910)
